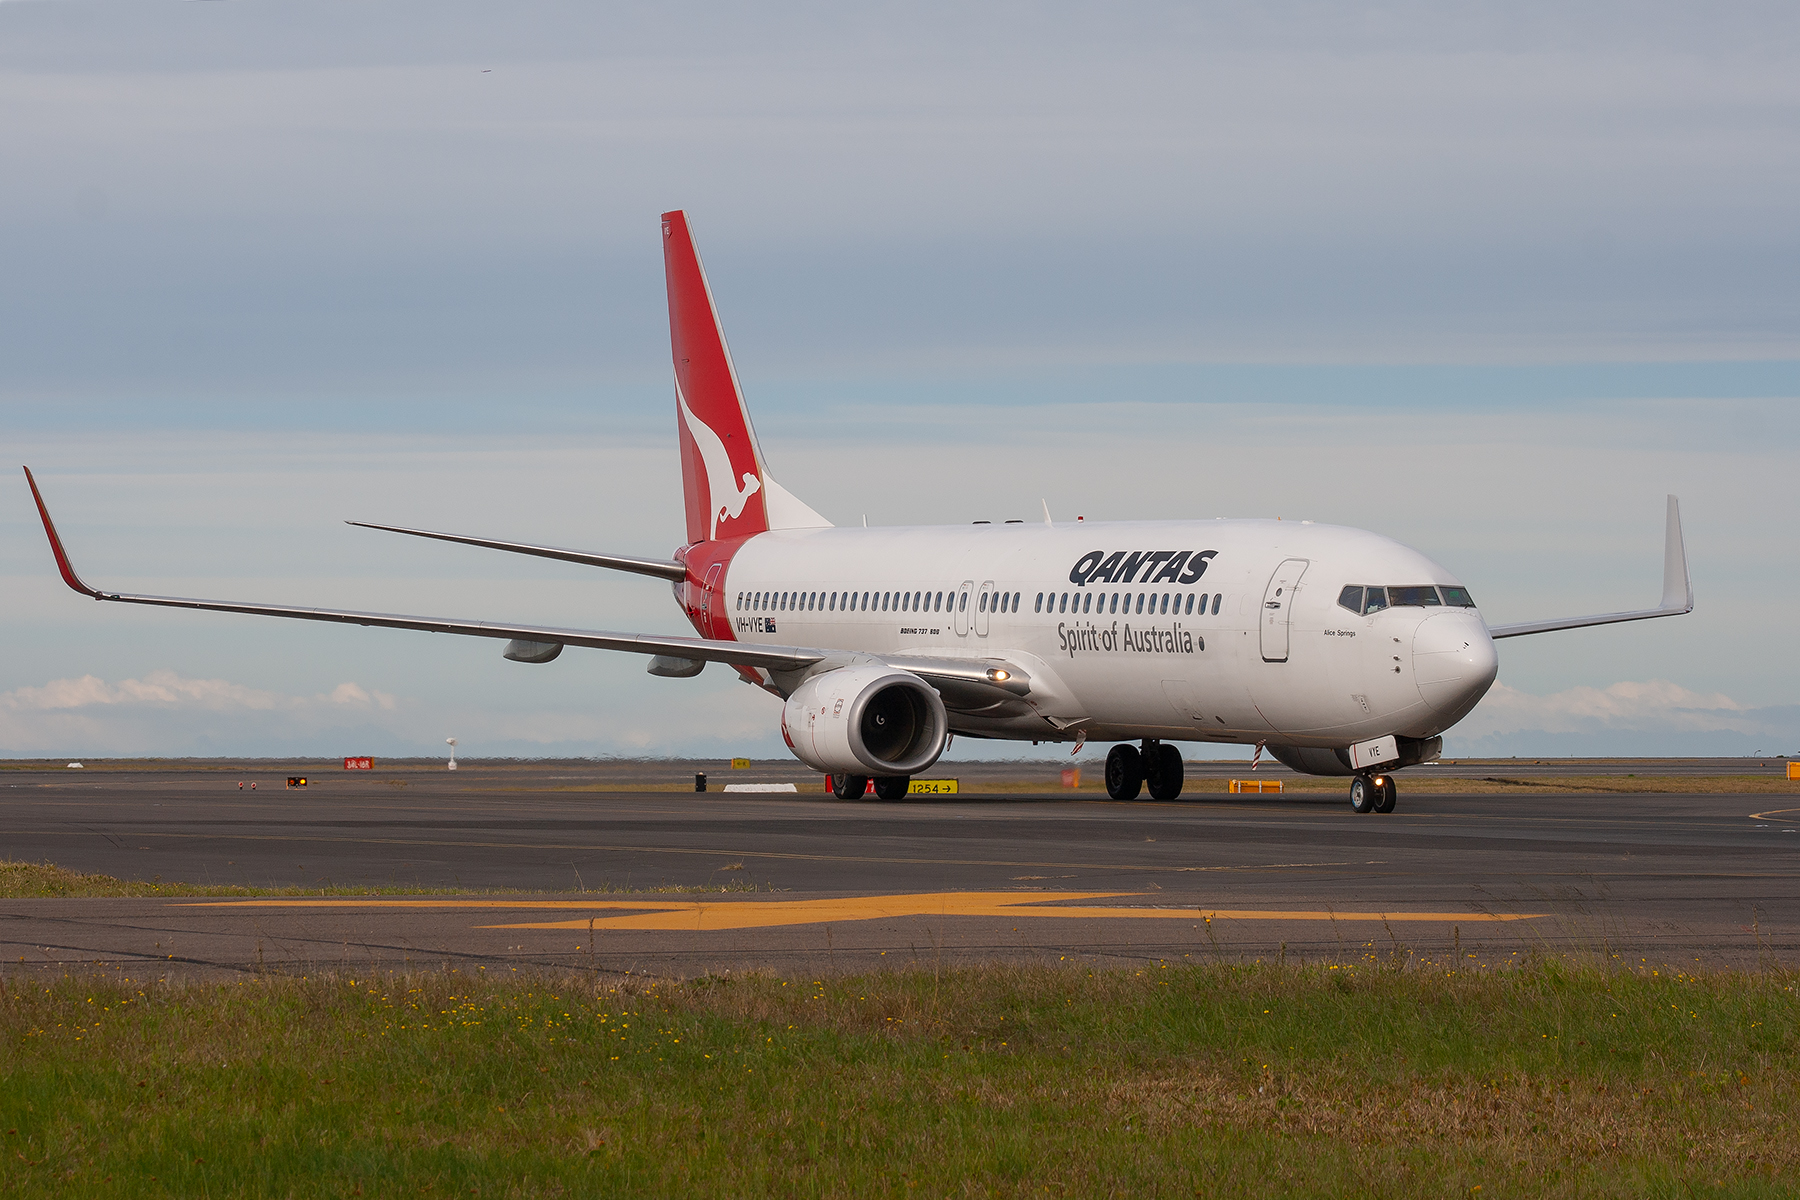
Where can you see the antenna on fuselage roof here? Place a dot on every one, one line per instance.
(1046, 505)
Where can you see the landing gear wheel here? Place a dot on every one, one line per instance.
(1162, 770)
(849, 787)
(1362, 794)
(892, 787)
(1385, 794)
(1124, 772)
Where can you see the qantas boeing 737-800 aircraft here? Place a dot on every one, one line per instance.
(1342, 652)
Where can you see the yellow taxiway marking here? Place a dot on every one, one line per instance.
(1773, 812)
(709, 915)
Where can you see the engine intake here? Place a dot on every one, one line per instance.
(865, 720)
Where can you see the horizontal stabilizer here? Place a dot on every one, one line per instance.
(1677, 592)
(661, 568)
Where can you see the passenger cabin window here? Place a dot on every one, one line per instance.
(1351, 598)
(1216, 599)
(1416, 596)
(1039, 606)
(962, 602)
(1457, 597)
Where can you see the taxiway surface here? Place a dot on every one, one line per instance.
(816, 884)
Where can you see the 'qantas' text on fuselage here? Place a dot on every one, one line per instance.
(1123, 566)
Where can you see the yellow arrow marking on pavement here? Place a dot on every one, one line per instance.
(708, 915)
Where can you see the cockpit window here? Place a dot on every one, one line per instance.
(1351, 598)
(1457, 597)
(1424, 596)
(1376, 600)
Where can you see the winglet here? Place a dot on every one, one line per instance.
(1677, 593)
(56, 546)
(1678, 589)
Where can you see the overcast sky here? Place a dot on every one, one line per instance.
(1487, 279)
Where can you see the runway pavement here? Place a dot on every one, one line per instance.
(822, 885)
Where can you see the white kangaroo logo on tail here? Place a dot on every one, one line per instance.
(726, 498)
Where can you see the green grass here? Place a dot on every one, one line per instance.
(1548, 1080)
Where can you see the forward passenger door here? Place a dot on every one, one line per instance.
(1278, 609)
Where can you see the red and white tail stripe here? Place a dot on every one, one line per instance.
(726, 484)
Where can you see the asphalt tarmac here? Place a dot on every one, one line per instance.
(812, 884)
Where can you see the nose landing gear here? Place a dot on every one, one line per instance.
(1373, 793)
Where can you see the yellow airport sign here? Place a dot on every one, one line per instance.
(740, 764)
(1255, 785)
(931, 787)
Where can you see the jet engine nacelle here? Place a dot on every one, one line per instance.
(865, 720)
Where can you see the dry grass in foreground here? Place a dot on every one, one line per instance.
(1217, 1080)
(44, 881)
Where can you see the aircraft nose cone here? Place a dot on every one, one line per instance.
(1454, 662)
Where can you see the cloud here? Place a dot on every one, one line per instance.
(1655, 717)
(166, 689)
(168, 714)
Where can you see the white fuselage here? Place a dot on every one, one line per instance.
(1254, 648)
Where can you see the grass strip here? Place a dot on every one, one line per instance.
(1550, 1080)
(45, 881)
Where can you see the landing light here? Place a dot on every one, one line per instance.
(998, 676)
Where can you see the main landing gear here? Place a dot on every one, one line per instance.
(855, 787)
(892, 787)
(1373, 793)
(1128, 769)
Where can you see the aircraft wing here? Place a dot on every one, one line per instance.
(1677, 596)
(982, 676)
(775, 658)
(661, 568)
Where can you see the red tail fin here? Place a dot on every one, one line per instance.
(728, 488)
(721, 467)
